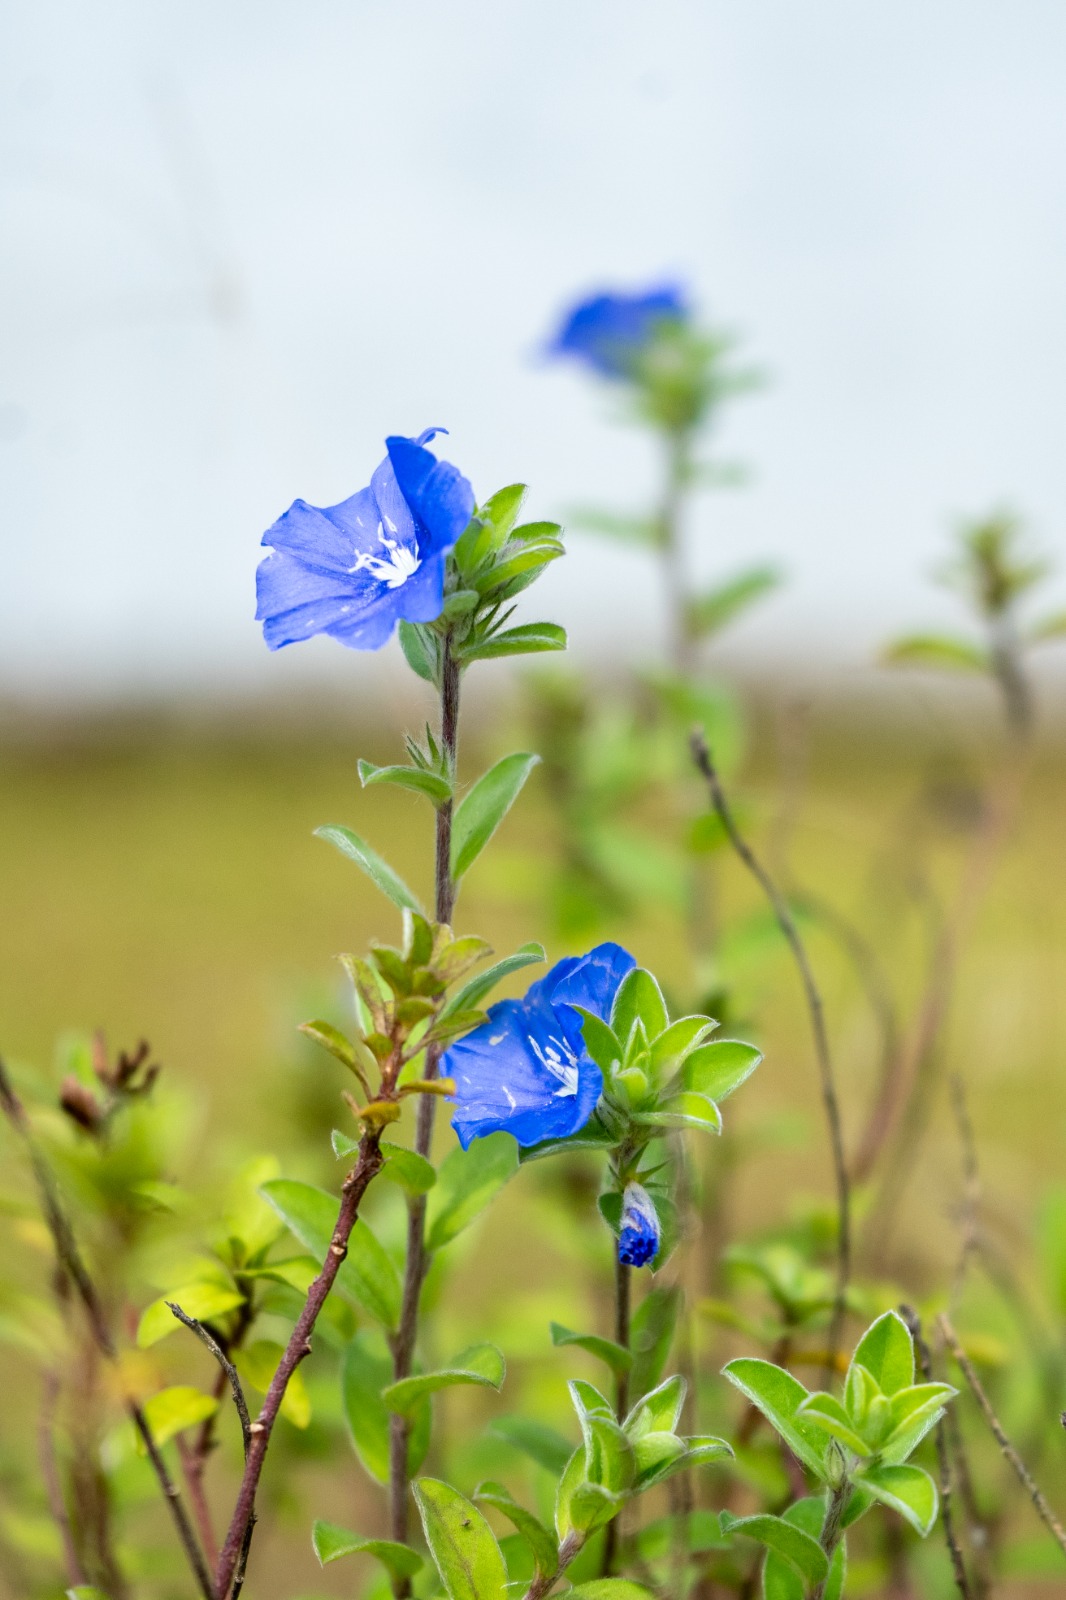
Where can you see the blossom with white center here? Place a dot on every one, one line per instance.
(526, 1069)
(356, 569)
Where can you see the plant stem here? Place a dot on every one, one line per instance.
(816, 1010)
(925, 1361)
(416, 1266)
(623, 1284)
(567, 1551)
(830, 1535)
(1040, 1505)
(234, 1547)
(73, 1266)
(680, 629)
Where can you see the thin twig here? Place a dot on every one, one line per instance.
(227, 1366)
(1040, 1505)
(925, 1361)
(785, 921)
(52, 1484)
(71, 1262)
(238, 1536)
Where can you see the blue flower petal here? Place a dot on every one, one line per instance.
(520, 1072)
(638, 1240)
(355, 569)
(608, 331)
(439, 496)
(592, 981)
(526, 1069)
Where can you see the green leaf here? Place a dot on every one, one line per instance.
(716, 1069)
(85, 1591)
(536, 1535)
(650, 1336)
(671, 1048)
(609, 1589)
(173, 1410)
(258, 1362)
(710, 612)
(430, 784)
(412, 1172)
(937, 650)
(515, 572)
(414, 642)
(330, 1543)
(887, 1352)
(827, 1412)
(908, 1490)
(617, 1357)
(630, 530)
(657, 1456)
(912, 1413)
(684, 1111)
(466, 1182)
(799, 1549)
(529, 638)
(542, 1444)
(780, 1579)
(501, 510)
(601, 1041)
(475, 991)
(639, 999)
(461, 1542)
(204, 1301)
(343, 1146)
(481, 811)
(376, 868)
(659, 1411)
(331, 1039)
(367, 1274)
(778, 1395)
(365, 1372)
(482, 1364)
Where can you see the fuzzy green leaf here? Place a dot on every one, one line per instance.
(826, 1411)
(650, 1336)
(330, 1543)
(907, 1489)
(778, 1395)
(475, 991)
(367, 1368)
(536, 1535)
(412, 1172)
(482, 1364)
(481, 811)
(799, 1549)
(887, 1352)
(527, 639)
(639, 999)
(716, 1069)
(376, 867)
(461, 1542)
(617, 1357)
(173, 1410)
(430, 784)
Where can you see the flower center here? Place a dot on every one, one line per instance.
(552, 1061)
(393, 568)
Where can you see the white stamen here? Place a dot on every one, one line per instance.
(392, 569)
(551, 1061)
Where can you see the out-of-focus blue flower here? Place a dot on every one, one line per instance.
(609, 331)
(638, 1240)
(356, 569)
(526, 1069)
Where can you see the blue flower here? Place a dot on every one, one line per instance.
(356, 569)
(638, 1241)
(526, 1069)
(609, 331)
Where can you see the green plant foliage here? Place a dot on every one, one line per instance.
(481, 1364)
(331, 1542)
(366, 1273)
(461, 1543)
(481, 811)
(466, 1182)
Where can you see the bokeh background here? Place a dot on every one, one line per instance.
(244, 243)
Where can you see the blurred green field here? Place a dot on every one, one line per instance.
(166, 884)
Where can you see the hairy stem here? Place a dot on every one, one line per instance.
(1025, 1478)
(816, 1010)
(234, 1547)
(831, 1528)
(417, 1262)
(623, 1285)
(545, 1580)
(73, 1266)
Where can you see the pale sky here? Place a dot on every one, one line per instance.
(243, 242)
